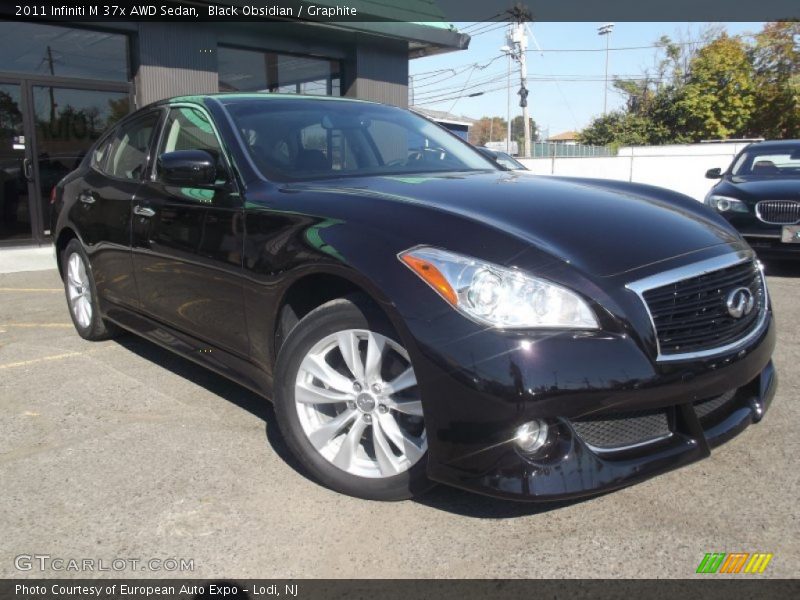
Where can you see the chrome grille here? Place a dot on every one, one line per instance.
(691, 315)
(623, 430)
(778, 212)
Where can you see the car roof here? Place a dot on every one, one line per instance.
(259, 96)
(771, 143)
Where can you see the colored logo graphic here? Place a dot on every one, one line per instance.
(735, 562)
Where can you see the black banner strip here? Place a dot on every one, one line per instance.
(704, 586)
(416, 11)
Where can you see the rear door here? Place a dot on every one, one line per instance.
(105, 195)
(188, 242)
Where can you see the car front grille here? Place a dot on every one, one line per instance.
(703, 408)
(778, 212)
(691, 315)
(623, 430)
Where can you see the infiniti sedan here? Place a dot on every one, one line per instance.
(415, 313)
(759, 194)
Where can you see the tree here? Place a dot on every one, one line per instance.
(718, 100)
(776, 61)
(487, 129)
(518, 134)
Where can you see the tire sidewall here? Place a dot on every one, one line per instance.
(96, 329)
(335, 316)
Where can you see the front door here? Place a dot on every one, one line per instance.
(187, 243)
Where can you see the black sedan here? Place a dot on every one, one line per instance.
(759, 194)
(415, 313)
(505, 161)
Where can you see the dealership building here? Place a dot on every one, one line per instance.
(62, 84)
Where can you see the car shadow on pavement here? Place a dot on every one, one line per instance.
(444, 498)
(477, 506)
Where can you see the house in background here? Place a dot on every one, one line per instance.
(459, 125)
(569, 138)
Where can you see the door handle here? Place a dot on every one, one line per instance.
(27, 169)
(143, 211)
(87, 198)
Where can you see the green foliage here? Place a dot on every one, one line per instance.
(718, 101)
(776, 61)
(488, 129)
(726, 88)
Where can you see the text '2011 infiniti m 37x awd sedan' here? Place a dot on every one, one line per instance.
(416, 314)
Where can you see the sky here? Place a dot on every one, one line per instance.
(565, 88)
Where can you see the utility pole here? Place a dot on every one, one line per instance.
(508, 52)
(605, 30)
(517, 49)
(522, 42)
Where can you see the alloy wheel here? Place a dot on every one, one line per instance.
(79, 290)
(357, 399)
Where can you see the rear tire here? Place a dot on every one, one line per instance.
(348, 405)
(81, 292)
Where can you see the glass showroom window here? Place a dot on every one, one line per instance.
(49, 50)
(254, 71)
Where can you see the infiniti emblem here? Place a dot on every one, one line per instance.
(740, 302)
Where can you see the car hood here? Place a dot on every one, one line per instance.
(760, 189)
(604, 228)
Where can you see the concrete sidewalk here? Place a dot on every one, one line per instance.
(27, 258)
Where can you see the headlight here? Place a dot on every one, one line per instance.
(496, 295)
(726, 204)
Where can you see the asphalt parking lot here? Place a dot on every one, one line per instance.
(120, 450)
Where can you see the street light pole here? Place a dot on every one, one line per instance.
(605, 30)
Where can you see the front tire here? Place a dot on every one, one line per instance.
(81, 294)
(348, 405)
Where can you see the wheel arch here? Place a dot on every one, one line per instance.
(311, 290)
(65, 236)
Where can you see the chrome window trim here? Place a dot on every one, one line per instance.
(695, 270)
(763, 220)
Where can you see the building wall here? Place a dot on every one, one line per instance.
(378, 70)
(176, 59)
(678, 167)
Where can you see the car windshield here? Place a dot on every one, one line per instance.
(775, 162)
(509, 162)
(299, 139)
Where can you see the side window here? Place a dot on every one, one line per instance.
(127, 153)
(190, 129)
(100, 153)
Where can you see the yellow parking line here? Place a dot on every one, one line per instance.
(31, 290)
(34, 361)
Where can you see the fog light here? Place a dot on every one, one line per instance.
(531, 436)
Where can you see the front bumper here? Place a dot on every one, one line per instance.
(484, 387)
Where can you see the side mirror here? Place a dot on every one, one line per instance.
(191, 168)
(715, 173)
